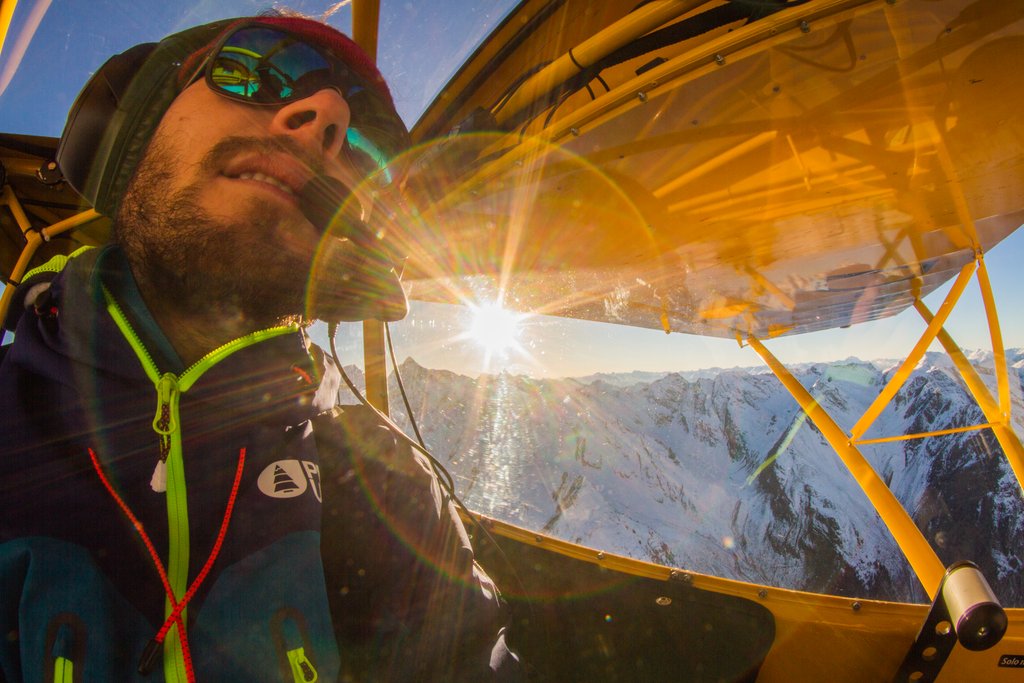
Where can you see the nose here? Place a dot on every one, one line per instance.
(319, 122)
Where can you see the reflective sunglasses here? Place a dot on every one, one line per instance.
(267, 66)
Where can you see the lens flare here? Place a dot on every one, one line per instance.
(494, 328)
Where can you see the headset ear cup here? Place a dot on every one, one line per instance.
(116, 114)
(94, 119)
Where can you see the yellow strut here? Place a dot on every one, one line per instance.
(907, 367)
(1001, 427)
(365, 20)
(922, 435)
(998, 352)
(915, 547)
(33, 240)
(604, 42)
(6, 14)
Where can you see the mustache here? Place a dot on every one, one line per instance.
(231, 146)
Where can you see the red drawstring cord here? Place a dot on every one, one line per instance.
(149, 655)
(150, 651)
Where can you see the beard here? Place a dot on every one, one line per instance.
(206, 265)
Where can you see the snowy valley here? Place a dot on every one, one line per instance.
(721, 473)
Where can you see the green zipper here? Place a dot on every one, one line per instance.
(302, 668)
(56, 263)
(167, 425)
(63, 670)
(63, 649)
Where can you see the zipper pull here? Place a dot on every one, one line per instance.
(302, 668)
(164, 424)
(166, 404)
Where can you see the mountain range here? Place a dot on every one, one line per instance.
(720, 472)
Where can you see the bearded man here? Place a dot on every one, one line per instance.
(179, 500)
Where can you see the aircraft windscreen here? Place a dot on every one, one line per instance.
(687, 452)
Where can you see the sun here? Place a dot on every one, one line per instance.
(494, 328)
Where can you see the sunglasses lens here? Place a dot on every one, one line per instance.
(366, 155)
(268, 66)
(264, 65)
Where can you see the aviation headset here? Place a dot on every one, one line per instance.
(114, 116)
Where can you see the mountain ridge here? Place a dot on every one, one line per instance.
(723, 474)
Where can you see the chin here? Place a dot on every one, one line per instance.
(270, 223)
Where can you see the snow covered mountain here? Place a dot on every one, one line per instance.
(721, 473)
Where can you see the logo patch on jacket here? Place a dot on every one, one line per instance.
(290, 478)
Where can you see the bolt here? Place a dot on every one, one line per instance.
(642, 96)
(762, 594)
(805, 27)
(719, 60)
(856, 606)
(681, 577)
(575, 131)
(600, 556)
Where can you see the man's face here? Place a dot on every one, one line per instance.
(211, 216)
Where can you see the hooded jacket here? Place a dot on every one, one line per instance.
(107, 442)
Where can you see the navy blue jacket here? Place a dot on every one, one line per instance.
(332, 519)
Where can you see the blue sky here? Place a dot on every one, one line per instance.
(421, 45)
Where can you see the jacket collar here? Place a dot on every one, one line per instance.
(113, 272)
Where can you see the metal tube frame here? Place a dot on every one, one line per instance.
(365, 22)
(902, 374)
(642, 20)
(915, 546)
(33, 240)
(997, 411)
